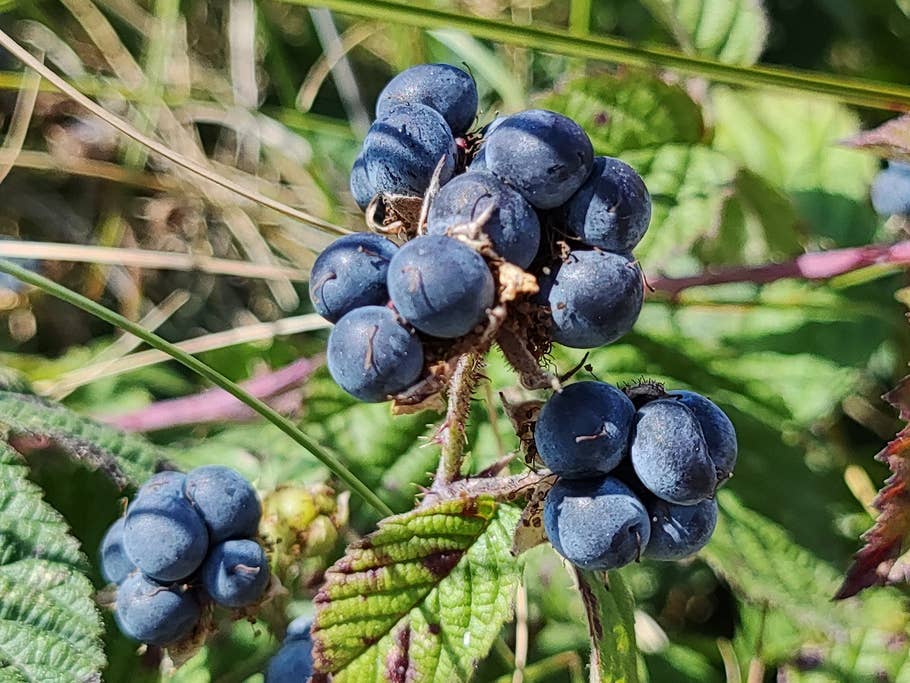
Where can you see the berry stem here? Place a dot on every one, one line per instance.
(821, 265)
(451, 434)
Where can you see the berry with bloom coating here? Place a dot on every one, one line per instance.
(153, 613)
(678, 531)
(350, 273)
(361, 188)
(891, 190)
(669, 453)
(115, 565)
(372, 356)
(583, 431)
(612, 209)
(444, 88)
(594, 298)
(225, 500)
(512, 226)
(544, 155)
(293, 663)
(401, 150)
(236, 573)
(720, 436)
(440, 285)
(596, 524)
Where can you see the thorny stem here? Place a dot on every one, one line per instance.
(505, 489)
(451, 434)
(813, 266)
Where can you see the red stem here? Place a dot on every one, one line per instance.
(281, 389)
(812, 266)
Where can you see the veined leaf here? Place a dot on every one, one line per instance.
(610, 608)
(49, 627)
(422, 598)
(123, 457)
(733, 32)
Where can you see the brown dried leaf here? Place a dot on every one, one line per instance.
(529, 532)
(877, 562)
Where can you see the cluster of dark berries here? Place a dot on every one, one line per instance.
(294, 661)
(185, 541)
(525, 194)
(891, 190)
(637, 475)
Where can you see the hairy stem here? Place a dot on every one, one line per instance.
(813, 266)
(451, 434)
(307, 442)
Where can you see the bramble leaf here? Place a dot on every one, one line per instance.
(49, 627)
(732, 32)
(422, 598)
(123, 457)
(610, 608)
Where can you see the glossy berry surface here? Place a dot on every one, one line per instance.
(719, 433)
(361, 188)
(115, 565)
(678, 531)
(594, 298)
(371, 355)
(544, 155)
(513, 226)
(440, 285)
(669, 453)
(154, 613)
(401, 150)
(596, 524)
(163, 534)
(583, 431)
(444, 88)
(226, 501)
(891, 190)
(612, 209)
(236, 573)
(351, 272)
(293, 663)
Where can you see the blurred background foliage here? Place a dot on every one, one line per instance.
(277, 96)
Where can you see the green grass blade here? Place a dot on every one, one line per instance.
(850, 90)
(197, 366)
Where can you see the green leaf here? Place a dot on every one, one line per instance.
(631, 112)
(733, 32)
(49, 627)
(422, 598)
(610, 609)
(125, 458)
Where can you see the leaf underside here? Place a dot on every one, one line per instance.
(422, 598)
(50, 630)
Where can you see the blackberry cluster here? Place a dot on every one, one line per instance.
(636, 478)
(185, 541)
(524, 193)
(294, 661)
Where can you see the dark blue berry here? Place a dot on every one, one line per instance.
(596, 524)
(678, 531)
(513, 226)
(669, 453)
(594, 297)
(372, 356)
(583, 431)
(440, 285)
(720, 436)
(479, 161)
(544, 155)
(445, 89)
(152, 613)
(612, 209)
(115, 565)
(299, 629)
(236, 573)
(293, 663)
(163, 534)
(402, 149)
(350, 273)
(225, 500)
(891, 190)
(361, 189)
